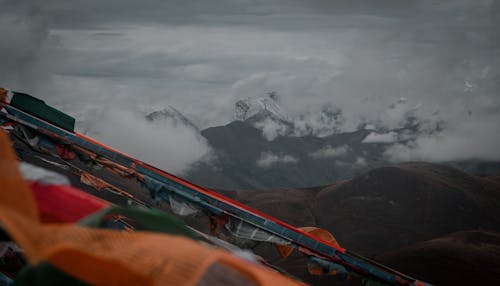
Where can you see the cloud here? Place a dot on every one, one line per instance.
(271, 129)
(267, 159)
(374, 137)
(360, 162)
(96, 14)
(202, 58)
(474, 139)
(321, 123)
(172, 147)
(27, 49)
(330, 152)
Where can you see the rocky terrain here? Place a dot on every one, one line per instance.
(402, 214)
(428, 220)
(468, 258)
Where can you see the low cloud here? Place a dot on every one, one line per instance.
(330, 152)
(382, 65)
(360, 162)
(271, 129)
(374, 137)
(172, 147)
(322, 123)
(267, 159)
(473, 139)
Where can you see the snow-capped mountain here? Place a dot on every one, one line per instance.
(256, 109)
(266, 114)
(172, 115)
(252, 156)
(264, 147)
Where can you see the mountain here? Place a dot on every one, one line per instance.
(390, 212)
(389, 207)
(265, 148)
(255, 109)
(470, 257)
(172, 115)
(247, 160)
(265, 114)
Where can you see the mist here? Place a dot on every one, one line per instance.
(166, 144)
(379, 63)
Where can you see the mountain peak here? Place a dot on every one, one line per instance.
(171, 114)
(259, 108)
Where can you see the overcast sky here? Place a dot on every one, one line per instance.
(359, 56)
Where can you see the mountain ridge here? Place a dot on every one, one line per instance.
(260, 149)
(384, 211)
